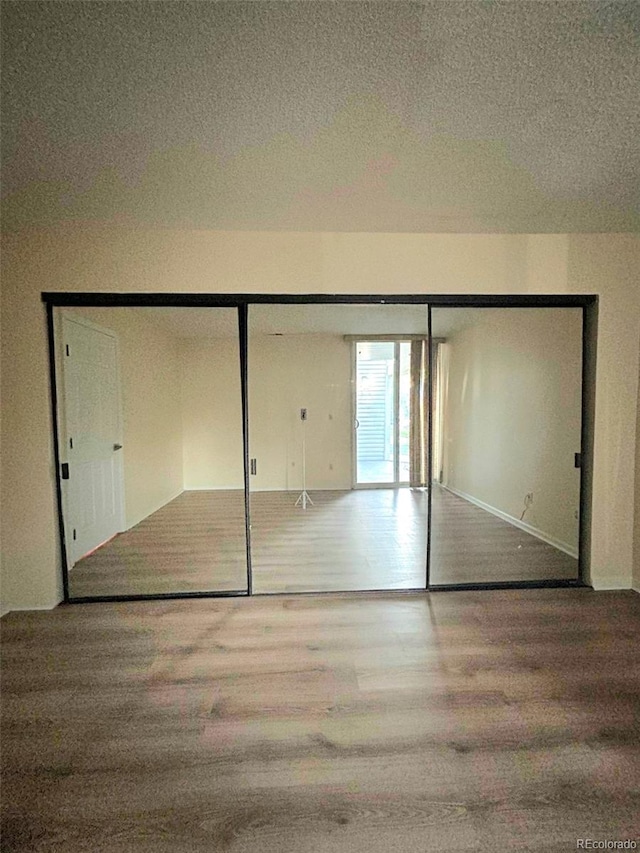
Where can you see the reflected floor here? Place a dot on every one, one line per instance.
(471, 545)
(380, 471)
(195, 543)
(349, 540)
(364, 539)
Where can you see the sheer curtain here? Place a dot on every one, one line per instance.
(440, 356)
(418, 410)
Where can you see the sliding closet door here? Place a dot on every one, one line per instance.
(150, 436)
(506, 421)
(315, 373)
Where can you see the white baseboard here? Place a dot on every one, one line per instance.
(213, 488)
(296, 490)
(522, 525)
(611, 584)
(154, 509)
(21, 609)
(292, 490)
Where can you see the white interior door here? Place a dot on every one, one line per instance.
(92, 435)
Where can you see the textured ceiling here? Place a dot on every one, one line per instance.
(436, 116)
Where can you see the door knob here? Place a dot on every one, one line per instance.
(117, 447)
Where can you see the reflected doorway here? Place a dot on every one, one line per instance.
(390, 404)
(382, 413)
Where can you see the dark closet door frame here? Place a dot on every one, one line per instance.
(242, 302)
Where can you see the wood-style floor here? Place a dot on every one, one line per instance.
(349, 540)
(459, 721)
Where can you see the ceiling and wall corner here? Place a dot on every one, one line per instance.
(315, 148)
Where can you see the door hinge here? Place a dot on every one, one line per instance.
(254, 466)
(577, 460)
(66, 349)
(71, 443)
(64, 471)
(74, 534)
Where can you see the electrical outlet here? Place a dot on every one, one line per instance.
(528, 500)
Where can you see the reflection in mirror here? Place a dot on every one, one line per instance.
(506, 428)
(150, 434)
(337, 425)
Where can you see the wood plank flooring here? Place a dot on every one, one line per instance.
(484, 721)
(349, 540)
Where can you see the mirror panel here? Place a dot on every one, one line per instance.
(150, 432)
(332, 506)
(506, 428)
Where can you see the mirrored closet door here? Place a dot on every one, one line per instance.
(336, 502)
(151, 450)
(506, 430)
(365, 446)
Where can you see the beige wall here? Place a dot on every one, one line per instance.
(609, 265)
(152, 418)
(636, 535)
(512, 421)
(286, 374)
(212, 415)
(117, 258)
(289, 373)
